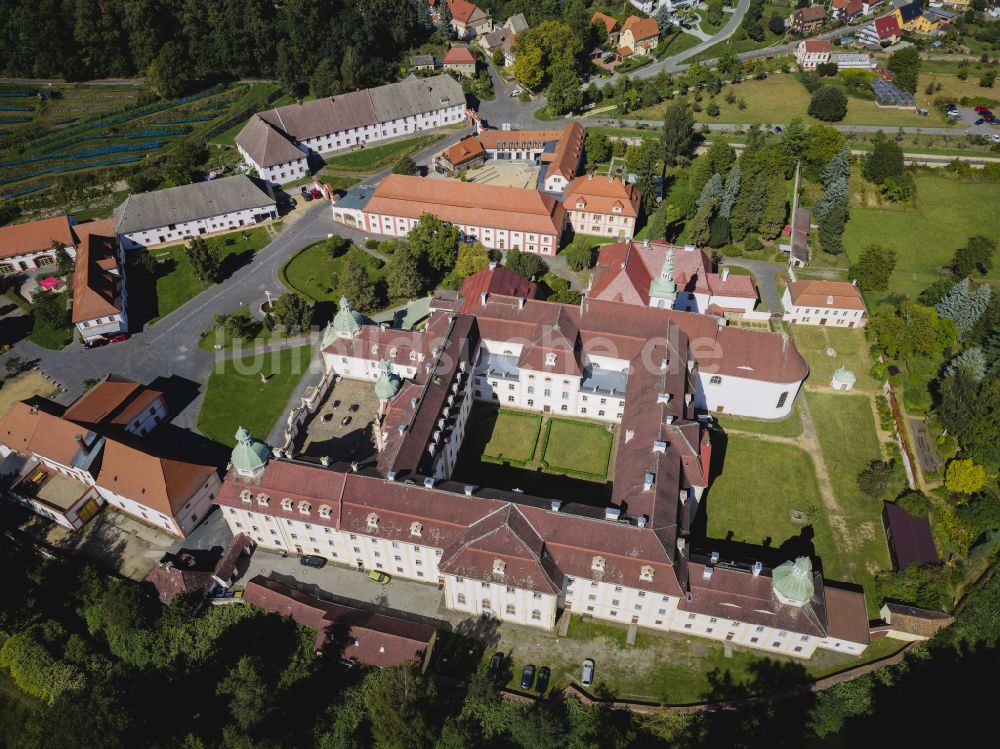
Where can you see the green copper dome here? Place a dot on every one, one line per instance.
(793, 581)
(845, 375)
(347, 322)
(663, 286)
(249, 455)
(387, 384)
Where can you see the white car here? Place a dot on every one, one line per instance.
(516, 92)
(954, 114)
(995, 138)
(587, 677)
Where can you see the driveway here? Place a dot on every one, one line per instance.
(767, 279)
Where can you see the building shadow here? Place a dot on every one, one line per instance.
(179, 392)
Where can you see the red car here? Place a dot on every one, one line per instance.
(117, 338)
(316, 193)
(981, 110)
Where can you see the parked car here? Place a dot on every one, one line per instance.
(7, 308)
(980, 121)
(316, 193)
(516, 92)
(306, 196)
(995, 138)
(922, 112)
(982, 109)
(353, 408)
(117, 337)
(989, 118)
(496, 663)
(587, 678)
(543, 679)
(379, 577)
(528, 676)
(311, 560)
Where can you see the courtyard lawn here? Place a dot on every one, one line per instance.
(948, 211)
(577, 448)
(513, 436)
(790, 426)
(176, 283)
(845, 424)
(374, 158)
(813, 341)
(235, 396)
(750, 501)
(315, 274)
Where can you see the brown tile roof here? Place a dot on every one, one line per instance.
(600, 195)
(563, 158)
(459, 56)
(914, 620)
(312, 119)
(299, 482)
(811, 13)
(566, 156)
(96, 289)
(265, 144)
(29, 429)
(468, 203)
(372, 639)
(35, 236)
(179, 573)
(494, 279)
(609, 23)
(162, 484)
(641, 28)
(465, 150)
(461, 10)
(847, 615)
(114, 401)
(825, 294)
(817, 45)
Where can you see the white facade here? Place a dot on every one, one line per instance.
(743, 396)
(32, 260)
(107, 325)
(600, 223)
(187, 519)
(279, 173)
(197, 227)
(834, 317)
(809, 60)
(510, 604)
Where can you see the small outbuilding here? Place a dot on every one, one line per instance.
(843, 379)
(910, 539)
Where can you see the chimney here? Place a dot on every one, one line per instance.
(612, 513)
(520, 303)
(757, 568)
(641, 521)
(493, 265)
(325, 460)
(648, 480)
(555, 505)
(706, 573)
(354, 466)
(629, 434)
(391, 476)
(469, 489)
(663, 397)
(413, 402)
(428, 483)
(659, 446)
(680, 545)
(715, 557)
(402, 429)
(482, 298)
(725, 273)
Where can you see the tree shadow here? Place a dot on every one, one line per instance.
(233, 262)
(459, 653)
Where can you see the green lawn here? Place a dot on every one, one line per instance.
(336, 182)
(176, 282)
(49, 337)
(845, 424)
(235, 396)
(315, 274)
(813, 341)
(577, 448)
(751, 499)
(513, 436)
(374, 158)
(948, 211)
(790, 426)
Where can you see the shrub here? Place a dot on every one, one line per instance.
(829, 104)
(876, 478)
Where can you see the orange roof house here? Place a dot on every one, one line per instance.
(35, 237)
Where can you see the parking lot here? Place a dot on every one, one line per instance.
(968, 117)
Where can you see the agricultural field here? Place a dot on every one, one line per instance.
(82, 130)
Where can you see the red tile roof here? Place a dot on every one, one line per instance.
(494, 279)
(466, 149)
(816, 46)
(825, 294)
(459, 56)
(96, 283)
(887, 26)
(600, 195)
(609, 23)
(641, 28)
(114, 401)
(35, 236)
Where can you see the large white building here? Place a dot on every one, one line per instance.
(520, 558)
(179, 213)
(835, 304)
(278, 141)
(100, 296)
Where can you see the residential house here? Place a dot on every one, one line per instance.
(832, 303)
(499, 217)
(561, 151)
(516, 23)
(910, 623)
(461, 60)
(99, 293)
(610, 26)
(639, 36)
(659, 274)
(422, 62)
(882, 32)
(68, 466)
(355, 119)
(908, 15)
(468, 153)
(356, 635)
(870, 6)
(150, 219)
(504, 37)
(602, 206)
(467, 20)
(29, 245)
(812, 52)
(847, 10)
(269, 152)
(806, 20)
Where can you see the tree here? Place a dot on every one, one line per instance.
(403, 275)
(402, 698)
(49, 310)
(910, 329)
(710, 192)
(677, 135)
(499, 58)
(357, 286)
(528, 68)
(597, 148)
(169, 74)
(976, 255)
(822, 144)
(699, 228)
(64, 263)
(775, 209)
(905, 65)
(241, 326)
(525, 264)
(249, 694)
(831, 224)
(435, 243)
(777, 24)
(838, 168)
(963, 476)
(444, 21)
(471, 259)
(876, 478)
(886, 160)
(579, 255)
(184, 162)
(829, 103)
(292, 312)
(564, 93)
(873, 268)
(646, 175)
(205, 259)
(971, 362)
(730, 192)
(794, 138)
(405, 165)
(964, 305)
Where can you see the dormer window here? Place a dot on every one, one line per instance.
(581, 204)
(499, 567)
(372, 520)
(393, 352)
(324, 511)
(550, 359)
(416, 529)
(597, 564)
(246, 495)
(413, 356)
(286, 504)
(374, 348)
(646, 573)
(304, 508)
(262, 500)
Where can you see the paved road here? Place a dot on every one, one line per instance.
(766, 274)
(726, 126)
